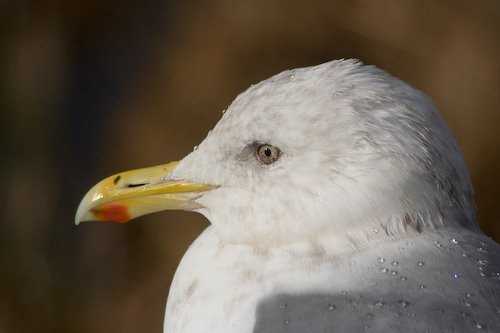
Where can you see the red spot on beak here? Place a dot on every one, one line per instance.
(112, 213)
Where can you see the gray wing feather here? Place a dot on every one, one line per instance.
(456, 290)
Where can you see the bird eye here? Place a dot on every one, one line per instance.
(267, 154)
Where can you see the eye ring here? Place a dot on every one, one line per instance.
(267, 154)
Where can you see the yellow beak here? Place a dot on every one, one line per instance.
(131, 194)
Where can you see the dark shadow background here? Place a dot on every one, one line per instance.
(91, 88)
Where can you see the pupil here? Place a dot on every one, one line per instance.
(267, 151)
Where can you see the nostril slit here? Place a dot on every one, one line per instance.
(137, 185)
(117, 179)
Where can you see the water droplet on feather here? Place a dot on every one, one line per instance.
(403, 303)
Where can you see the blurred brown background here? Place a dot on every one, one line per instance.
(90, 88)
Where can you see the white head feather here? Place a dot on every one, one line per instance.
(358, 147)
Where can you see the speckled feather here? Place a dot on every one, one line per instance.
(367, 168)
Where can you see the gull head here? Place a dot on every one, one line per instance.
(321, 150)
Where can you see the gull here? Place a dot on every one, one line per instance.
(338, 201)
